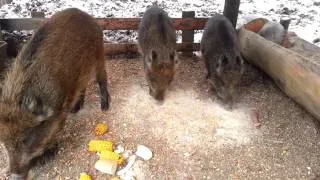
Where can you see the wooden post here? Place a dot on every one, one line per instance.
(188, 35)
(231, 10)
(3, 56)
(1, 38)
(285, 22)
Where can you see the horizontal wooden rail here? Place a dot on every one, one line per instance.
(113, 48)
(106, 23)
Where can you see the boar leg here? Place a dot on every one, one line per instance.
(79, 104)
(101, 78)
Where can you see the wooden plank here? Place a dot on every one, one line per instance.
(112, 48)
(295, 74)
(133, 23)
(106, 23)
(21, 24)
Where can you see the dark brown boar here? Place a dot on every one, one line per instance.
(44, 82)
(221, 52)
(157, 41)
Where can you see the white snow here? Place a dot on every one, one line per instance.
(305, 14)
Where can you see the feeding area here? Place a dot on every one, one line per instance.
(271, 132)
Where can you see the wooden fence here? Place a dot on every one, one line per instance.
(187, 24)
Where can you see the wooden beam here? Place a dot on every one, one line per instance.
(105, 23)
(296, 74)
(21, 24)
(112, 48)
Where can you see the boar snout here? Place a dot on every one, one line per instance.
(157, 94)
(17, 177)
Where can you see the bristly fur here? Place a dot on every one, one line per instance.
(157, 45)
(45, 81)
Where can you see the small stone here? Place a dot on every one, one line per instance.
(119, 149)
(144, 152)
(127, 154)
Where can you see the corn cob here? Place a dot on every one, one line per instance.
(84, 176)
(100, 129)
(99, 145)
(109, 155)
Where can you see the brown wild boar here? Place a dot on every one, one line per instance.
(157, 41)
(44, 82)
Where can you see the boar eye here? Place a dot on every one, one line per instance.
(171, 56)
(153, 56)
(224, 61)
(238, 60)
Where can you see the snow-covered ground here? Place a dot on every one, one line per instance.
(305, 14)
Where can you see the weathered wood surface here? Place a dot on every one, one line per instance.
(21, 24)
(231, 10)
(188, 35)
(295, 73)
(3, 56)
(105, 23)
(113, 48)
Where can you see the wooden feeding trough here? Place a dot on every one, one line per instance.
(296, 70)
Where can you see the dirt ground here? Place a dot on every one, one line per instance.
(190, 134)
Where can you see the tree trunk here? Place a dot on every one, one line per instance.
(231, 10)
(296, 74)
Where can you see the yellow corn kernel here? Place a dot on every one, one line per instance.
(99, 145)
(84, 176)
(109, 155)
(100, 129)
(115, 178)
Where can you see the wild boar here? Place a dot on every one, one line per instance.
(221, 53)
(157, 43)
(44, 82)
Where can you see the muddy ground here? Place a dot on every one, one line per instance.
(190, 134)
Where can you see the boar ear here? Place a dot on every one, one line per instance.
(151, 59)
(174, 58)
(153, 56)
(36, 106)
(221, 63)
(239, 63)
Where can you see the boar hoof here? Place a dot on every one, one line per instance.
(105, 103)
(76, 108)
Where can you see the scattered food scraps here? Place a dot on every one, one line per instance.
(115, 178)
(84, 176)
(109, 155)
(100, 145)
(126, 169)
(144, 152)
(106, 166)
(119, 149)
(100, 129)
